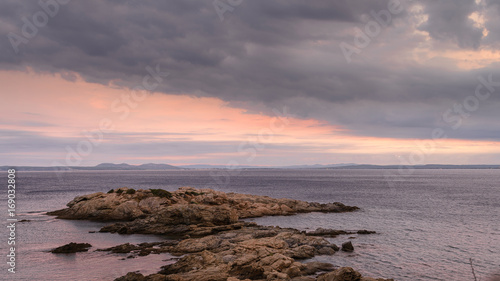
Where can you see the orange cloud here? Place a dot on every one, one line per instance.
(54, 107)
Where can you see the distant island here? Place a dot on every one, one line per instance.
(162, 167)
(100, 167)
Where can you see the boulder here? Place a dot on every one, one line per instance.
(347, 247)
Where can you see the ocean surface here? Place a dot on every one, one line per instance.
(428, 224)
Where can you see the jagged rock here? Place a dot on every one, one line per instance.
(347, 247)
(72, 248)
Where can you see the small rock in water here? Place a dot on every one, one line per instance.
(347, 247)
(364, 231)
(72, 248)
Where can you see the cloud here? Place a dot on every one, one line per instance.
(449, 20)
(268, 54)
(21, 147)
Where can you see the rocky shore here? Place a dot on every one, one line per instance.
(206, 232)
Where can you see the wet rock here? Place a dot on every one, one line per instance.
(364, 231)
(72, 248)
(142, 249)
(121, 249)
(347, 247)
(327, 232)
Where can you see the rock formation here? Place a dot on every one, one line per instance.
(72, 248)
(213, 243)
(347, 247)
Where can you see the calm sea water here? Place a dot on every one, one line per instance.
(428, 225)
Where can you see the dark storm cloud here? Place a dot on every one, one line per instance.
(449, 20)
(264, 55)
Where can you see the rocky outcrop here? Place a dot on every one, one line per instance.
(187, 205)
(187, 211)
(253, 252)
(209, 238)
(72, 248)
(250, 253)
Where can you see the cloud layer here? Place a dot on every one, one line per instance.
(269, 54)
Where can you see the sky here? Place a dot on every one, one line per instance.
(240, 82)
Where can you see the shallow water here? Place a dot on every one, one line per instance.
(428, 225)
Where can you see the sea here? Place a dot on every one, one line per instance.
(431, 224)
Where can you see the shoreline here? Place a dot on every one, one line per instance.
(213, 242)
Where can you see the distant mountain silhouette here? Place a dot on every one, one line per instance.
(162, 167)
(100, 167)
